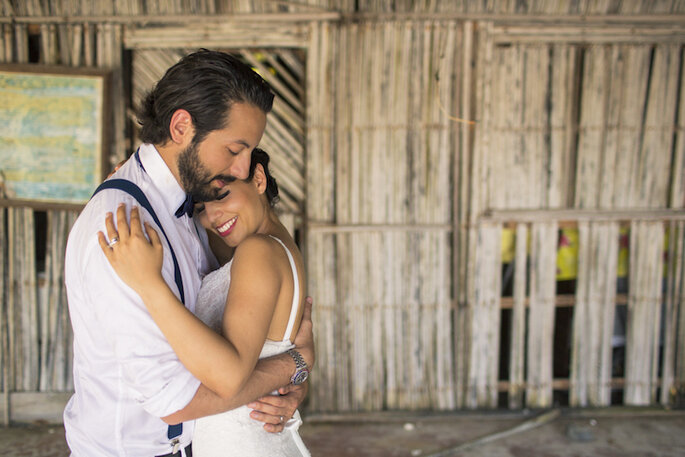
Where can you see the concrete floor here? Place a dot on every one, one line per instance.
(609, 432)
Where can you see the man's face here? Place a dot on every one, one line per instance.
(224, 155)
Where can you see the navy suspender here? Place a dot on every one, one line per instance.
(133, 190)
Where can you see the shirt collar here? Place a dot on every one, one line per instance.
(170, 190)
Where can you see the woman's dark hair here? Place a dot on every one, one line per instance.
(206, 84)
(260, 156)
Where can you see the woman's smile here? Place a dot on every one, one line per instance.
(226, 228)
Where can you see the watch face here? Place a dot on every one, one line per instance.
(300, 377)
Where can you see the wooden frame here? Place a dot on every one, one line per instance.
(52, 135)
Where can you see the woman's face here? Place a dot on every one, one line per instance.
(238, 212)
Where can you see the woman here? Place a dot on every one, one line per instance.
(255, 301)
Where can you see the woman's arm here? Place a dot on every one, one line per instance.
(222, 365)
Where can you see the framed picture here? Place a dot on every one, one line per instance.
(52, 134)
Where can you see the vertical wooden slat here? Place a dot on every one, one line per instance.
(593, 315)
(4, 309)
(109, 56)
(322, 59)
(461, 212)
(484, 359)
(627, 186)
(680, 339)
(677, 196)
(518, 320)
(541, 315)
(22, 303)
(579, 375)
(561, 126)
(591, 126)
(657, 140)
(607, 262)
(671, 310)
(464, 319)
(644, 312)
(7, 43)
(6, 54)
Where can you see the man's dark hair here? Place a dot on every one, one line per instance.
(206, 84)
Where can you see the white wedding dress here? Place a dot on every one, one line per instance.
(234, 433)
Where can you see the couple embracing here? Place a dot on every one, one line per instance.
(180, 349)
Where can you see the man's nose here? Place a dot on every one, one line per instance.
(240, 167)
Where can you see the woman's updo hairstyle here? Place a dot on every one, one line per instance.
(260, 156)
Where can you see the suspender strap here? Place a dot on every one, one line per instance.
(174, 431)
(135, 191)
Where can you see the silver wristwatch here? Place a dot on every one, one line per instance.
(301, 370)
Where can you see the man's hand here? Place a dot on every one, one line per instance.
(304, 340)
(276, 410)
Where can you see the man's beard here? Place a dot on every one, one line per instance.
(195, 178)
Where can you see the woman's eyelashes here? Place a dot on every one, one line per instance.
(223, 195)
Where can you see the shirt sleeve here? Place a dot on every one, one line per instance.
(148, 366)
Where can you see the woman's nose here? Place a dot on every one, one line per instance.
(212, 210)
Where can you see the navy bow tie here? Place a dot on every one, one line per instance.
(187, 207)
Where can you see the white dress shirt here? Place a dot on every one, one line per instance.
(126, 376)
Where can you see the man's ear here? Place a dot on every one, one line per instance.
(259, 178)
(181, 127)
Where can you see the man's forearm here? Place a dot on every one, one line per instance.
(268, 375)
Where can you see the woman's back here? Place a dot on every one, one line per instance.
(234, 432)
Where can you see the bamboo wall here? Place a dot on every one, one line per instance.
(429, 130)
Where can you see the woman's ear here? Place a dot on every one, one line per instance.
(181, 129)
(259, 178)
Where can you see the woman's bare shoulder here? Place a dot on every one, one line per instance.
(261, 249)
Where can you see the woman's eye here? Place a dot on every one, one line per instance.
(223, 195)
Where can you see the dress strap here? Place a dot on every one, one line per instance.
(296, 293)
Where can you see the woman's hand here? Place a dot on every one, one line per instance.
(137, 261)
(276, 410)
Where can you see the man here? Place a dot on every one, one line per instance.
(199, 126)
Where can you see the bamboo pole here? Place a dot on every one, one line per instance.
(627, 214)
(657, 138)
(680, 342)
(628, 188)
(4, 313)
(525, 21)
(591, 127)
(671, 311)
(578, 378)
(518, 321)
(541, 315)
(477, 174)
(561, 128)
(483, 372)
(644, 313)
(174, 19)
(677, 178)
(607, 290)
